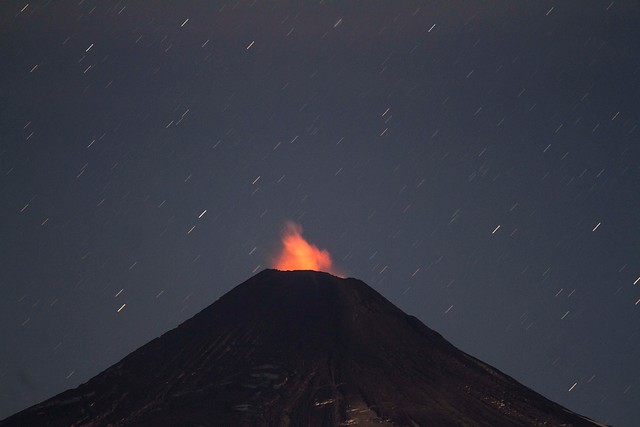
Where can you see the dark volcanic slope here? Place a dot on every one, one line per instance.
(300, 348)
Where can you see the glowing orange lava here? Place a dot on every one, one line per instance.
(298, 254)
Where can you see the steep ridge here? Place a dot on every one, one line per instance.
(300, 348)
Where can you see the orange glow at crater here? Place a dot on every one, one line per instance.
(298, 254)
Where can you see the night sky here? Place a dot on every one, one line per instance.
(476, 162)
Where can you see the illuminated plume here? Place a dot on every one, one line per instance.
(298, 254)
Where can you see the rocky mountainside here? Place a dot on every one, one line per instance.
(300, 348)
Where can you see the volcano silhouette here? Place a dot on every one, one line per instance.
(299, 348)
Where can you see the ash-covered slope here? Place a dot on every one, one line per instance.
(299, 348)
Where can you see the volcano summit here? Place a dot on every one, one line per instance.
(300, 348)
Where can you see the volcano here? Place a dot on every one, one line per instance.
(300, 348)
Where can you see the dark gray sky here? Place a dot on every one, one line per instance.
(475, 162)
